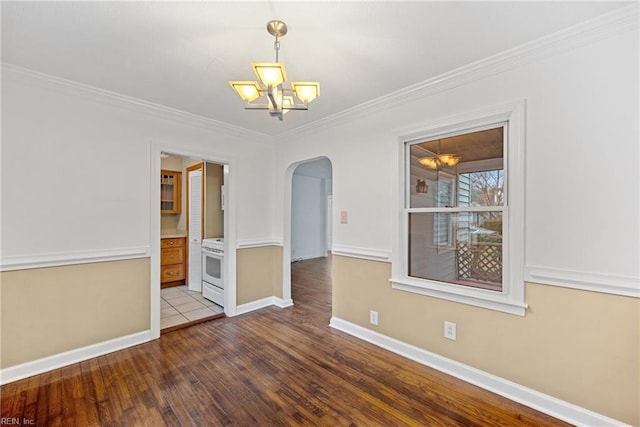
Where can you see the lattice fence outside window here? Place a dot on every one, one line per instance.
(480, 261)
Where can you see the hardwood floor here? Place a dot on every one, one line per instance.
(268, 368)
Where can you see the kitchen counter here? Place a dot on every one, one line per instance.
(172, 234)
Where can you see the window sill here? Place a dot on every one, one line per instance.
(475, 297)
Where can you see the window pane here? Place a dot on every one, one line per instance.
(462, 248)
(481, 188)
(460, 163)
(430, 187)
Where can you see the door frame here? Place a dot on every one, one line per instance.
(228, 162)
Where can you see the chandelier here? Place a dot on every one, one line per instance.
(434, 162)
(273, 93)
(440, 160)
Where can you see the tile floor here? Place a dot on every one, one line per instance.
(180, 305)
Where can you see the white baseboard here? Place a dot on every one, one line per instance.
(262, 303)
(279, 302)
(539, 401)
(55, 361)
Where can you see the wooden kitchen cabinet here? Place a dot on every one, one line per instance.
(170, 192)
(172, 261)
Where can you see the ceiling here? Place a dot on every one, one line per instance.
(182, 54)
(474, 146)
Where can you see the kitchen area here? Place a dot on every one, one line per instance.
(192, 202)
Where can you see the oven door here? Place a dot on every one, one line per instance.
(212, 267)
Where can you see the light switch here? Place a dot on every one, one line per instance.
(344, 217)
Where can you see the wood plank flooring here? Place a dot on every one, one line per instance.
(273, 367)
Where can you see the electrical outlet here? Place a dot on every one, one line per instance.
(450, 330)
(373, 317)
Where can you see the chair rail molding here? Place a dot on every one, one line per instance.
(258, 243)
(24, 262)
(588, 281)
(383, 255)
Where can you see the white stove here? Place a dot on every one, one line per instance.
(213, 270)
(217, 244)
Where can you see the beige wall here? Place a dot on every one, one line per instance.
(579, 346)
(47, 311)
(259, 273)
(169, 223)
(214, 215)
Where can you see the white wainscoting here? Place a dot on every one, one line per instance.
(539, 401)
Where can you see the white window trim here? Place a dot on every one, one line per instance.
(512, 298)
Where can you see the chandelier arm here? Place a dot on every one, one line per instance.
(257, 106)
(274, 95)
(295, 107)
(272, 98)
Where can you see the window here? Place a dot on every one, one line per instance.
(461, 228)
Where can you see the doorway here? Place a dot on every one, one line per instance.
(308, 214)
(202, 215)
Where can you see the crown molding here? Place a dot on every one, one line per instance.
(141, 105)
(598, 28)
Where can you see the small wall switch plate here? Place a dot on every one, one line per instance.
(344, 217)
(450, 330)
(373, 317)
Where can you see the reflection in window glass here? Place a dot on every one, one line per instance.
(473, 259)
(455, 209)
(483, 188)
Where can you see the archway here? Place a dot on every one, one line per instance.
(308, 214)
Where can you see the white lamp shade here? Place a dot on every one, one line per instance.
(270, 73)
(248, 91)
(429, 162)
(449, 159)
(306, 91)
